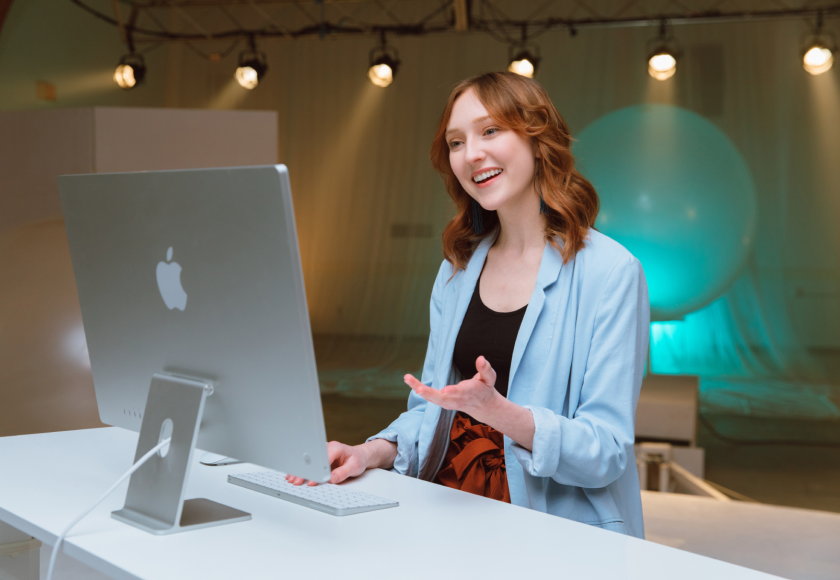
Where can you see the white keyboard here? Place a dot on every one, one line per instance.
(325, 497)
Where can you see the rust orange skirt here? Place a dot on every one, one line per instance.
(475, 460)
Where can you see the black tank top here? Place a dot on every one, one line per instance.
(487, 333)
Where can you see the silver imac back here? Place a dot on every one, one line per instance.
(197, 274)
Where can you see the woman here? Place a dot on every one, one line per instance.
(546, 316)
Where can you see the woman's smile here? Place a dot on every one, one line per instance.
(486, 176)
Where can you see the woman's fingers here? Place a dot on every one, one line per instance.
(456, 397)
(470, 395)
(431, 395)
(337, 454)
(339, 474)
(335, 451)
(345, 461)
(485, 371)
(412, 382)
(294, 479)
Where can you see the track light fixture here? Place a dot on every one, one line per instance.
(819, 51)
(384, 62)
(131, 69)
(663, 53)
(523, 56)
(818, 59)
(252, 66)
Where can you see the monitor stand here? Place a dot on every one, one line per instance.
(155, 499)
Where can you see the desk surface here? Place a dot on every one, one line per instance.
(48, 479)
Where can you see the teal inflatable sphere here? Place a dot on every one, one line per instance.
(676, 192)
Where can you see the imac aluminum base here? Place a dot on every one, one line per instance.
(195, 513)
(155, 500)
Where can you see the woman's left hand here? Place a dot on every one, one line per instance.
(475, 396)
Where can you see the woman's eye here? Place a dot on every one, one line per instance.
(491, 131)
(454, 144)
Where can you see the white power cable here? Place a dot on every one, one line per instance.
(134, 468)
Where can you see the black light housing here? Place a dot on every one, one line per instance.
(252, 66)
(523, 56)
(130, 71)
(384, 63)
(523, 63)
(819, 49)
(663, 54)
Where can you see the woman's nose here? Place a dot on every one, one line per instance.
(474, 151)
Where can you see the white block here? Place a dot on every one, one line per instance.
(152, 139)
(667, 409)
(35, 148)
(38, 146)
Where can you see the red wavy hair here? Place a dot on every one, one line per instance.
(522, 105)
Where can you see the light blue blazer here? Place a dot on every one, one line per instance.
(577, 366)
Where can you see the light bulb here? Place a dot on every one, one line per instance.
(662, 66)
(522, 67)
(381, 75)
(247, 77)
(817, 60)
(124, 76)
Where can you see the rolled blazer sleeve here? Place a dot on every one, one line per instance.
(591, 449)
(405, 430)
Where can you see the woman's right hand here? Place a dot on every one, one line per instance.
(350, 461)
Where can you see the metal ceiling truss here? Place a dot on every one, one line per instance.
(511, 21)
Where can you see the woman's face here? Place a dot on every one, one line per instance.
(495, 165)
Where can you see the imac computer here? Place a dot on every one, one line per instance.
(194, 310)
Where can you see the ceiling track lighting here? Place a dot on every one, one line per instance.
(131, 69)
(252, 66)
(524, 56)
(819, 49)
(663, 54)
(384, 62)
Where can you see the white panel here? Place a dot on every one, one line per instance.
(667, 408)
(150, 139)
(35, 148)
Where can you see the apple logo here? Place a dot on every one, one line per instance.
(169, 283)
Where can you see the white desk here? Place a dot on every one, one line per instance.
(46, 480)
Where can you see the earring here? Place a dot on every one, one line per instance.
(543, 207)
(477, 221)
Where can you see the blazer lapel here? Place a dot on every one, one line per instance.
(550, 265)
(464, 294)
(465, 285)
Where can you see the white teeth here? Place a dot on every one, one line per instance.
(486, 175)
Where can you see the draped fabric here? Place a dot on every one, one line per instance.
(475, 460)
(768, 340)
